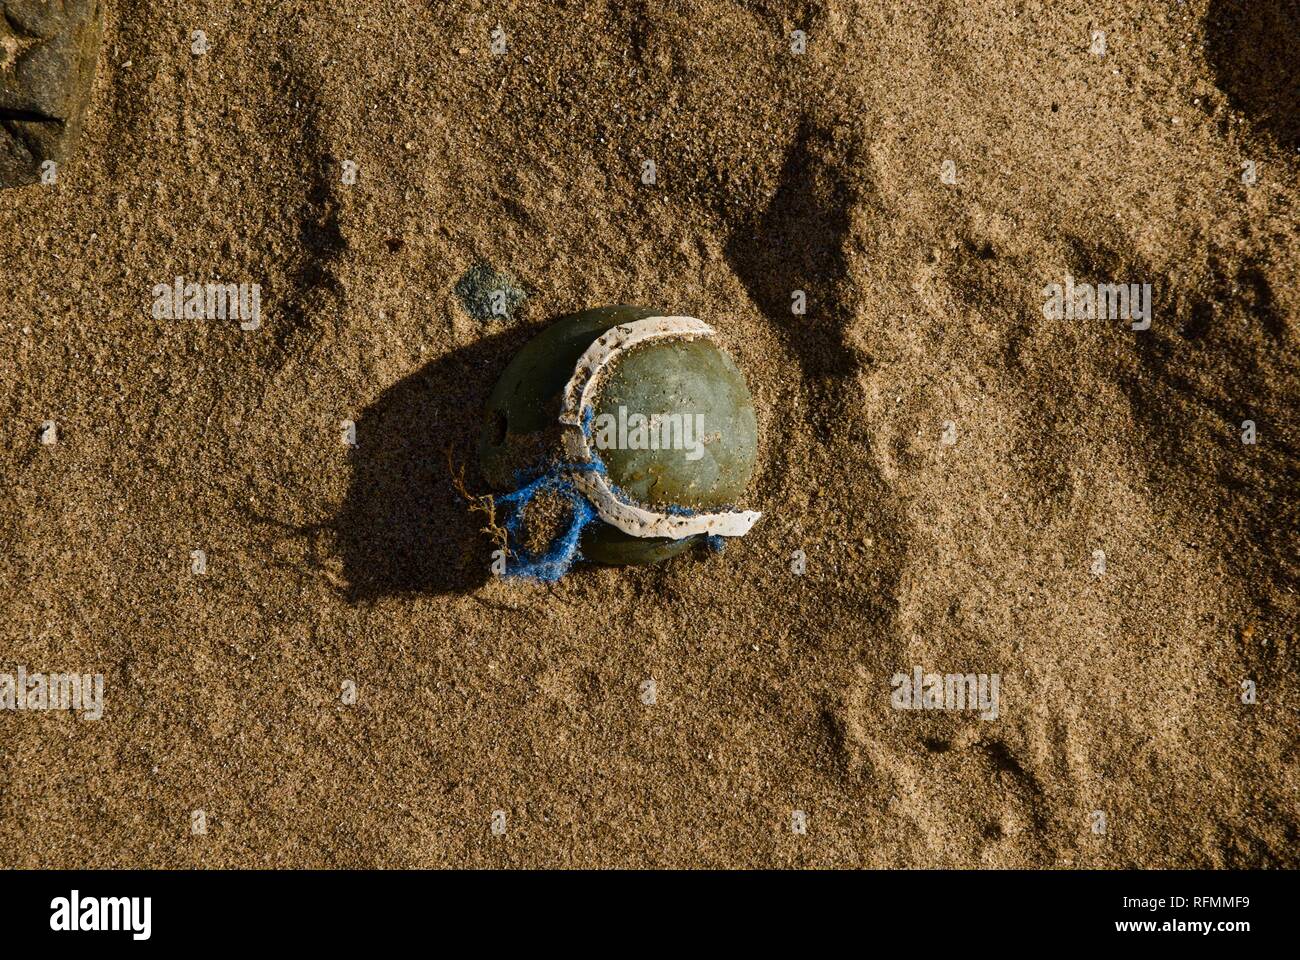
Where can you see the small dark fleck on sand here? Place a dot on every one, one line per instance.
(489, 295)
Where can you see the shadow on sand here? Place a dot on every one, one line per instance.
(402, 527)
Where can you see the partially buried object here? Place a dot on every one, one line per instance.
(47, 63)
(619, 435)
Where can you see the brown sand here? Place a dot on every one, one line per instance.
(1120, 693)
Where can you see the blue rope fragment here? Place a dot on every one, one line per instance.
(563, 553)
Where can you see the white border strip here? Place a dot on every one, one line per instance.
(631, 519)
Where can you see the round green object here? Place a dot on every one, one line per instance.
(689, 389)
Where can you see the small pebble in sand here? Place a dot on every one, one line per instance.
(489, 295)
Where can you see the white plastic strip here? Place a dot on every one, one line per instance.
(631, 519)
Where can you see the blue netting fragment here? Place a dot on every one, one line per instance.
(563, 552)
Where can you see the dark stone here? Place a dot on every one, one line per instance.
(47, 64)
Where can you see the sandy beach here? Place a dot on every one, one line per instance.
(250, 532)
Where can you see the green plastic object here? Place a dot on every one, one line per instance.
(709, 466)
